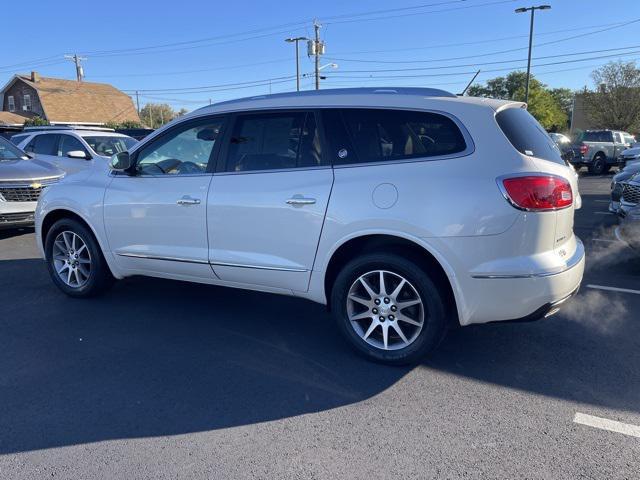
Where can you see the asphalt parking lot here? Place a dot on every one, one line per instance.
(159, 379)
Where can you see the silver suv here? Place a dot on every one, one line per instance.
(21, 183)
(72, 148)
(404, 210)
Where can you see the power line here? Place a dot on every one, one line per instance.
(482, 54)
(496, 62)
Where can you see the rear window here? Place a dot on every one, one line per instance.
(527, 135)
(45, 144)
(596, 136)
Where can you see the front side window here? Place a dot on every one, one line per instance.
(12, 103)
(185, 150)
(70, 144)
(388, 135)
(46, 144)
(107, 146)
(273, 141)
(26, 102)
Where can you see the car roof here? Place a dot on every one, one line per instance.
(92, 133)
(366, 97)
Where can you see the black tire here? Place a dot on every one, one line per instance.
(598, 165)
(99, 278)
(434, 327)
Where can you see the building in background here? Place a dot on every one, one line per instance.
(63, 102)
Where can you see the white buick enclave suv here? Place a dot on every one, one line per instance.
(406, 211)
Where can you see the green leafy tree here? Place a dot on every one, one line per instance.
(615, 102)
(157, 114)
(543, 105)
(36, 122)
(125, 124)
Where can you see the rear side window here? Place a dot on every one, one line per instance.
(273, 141)
(46, 144)
(527, 135)
(388, 135)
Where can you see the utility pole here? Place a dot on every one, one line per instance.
(138, 102)
(531, 9)
(318, 49)
(75, 58)
(296, 40)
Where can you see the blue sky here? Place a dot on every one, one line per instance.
(190, 52)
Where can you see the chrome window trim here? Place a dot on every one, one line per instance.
(275, 170)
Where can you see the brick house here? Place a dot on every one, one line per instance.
(63, 101)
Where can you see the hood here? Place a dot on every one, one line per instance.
(19, 169)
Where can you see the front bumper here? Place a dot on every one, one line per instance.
(16, 214)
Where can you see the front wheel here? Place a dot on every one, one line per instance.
(388, 308)
(74, 259)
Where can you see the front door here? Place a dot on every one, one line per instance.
(68, 144)
(155, 220)
(266, 207)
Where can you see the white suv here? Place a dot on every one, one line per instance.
(406, 211)
(72, 149)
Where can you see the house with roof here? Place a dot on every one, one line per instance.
(63, 102)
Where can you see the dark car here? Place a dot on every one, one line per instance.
(629, 213)
(616, 184)
(599, 150)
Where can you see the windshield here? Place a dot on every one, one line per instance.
(8, 151)
(107, 146)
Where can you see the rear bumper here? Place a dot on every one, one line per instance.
(526, 296)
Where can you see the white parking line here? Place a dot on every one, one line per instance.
(605, 424)
(603, 213)
(603, 240)
(602, 201)
(614, 289)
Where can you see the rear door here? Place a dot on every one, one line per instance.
(268, 200)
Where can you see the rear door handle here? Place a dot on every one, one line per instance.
(187, 200)
(298, 200)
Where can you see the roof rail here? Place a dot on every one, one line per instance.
(418, 91)
(67, 127)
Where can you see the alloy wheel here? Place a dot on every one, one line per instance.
(385, 310)
(71, 259)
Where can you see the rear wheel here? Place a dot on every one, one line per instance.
(388, 308)
(75, 261)
(598, 165)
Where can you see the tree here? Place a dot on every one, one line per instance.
(125, 124)
(181, 112)
(36, 122)
(543, 105)
(564, 98)
(615, 102)
(157, 114)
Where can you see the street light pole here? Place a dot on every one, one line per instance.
(296, 40)
(531, 9)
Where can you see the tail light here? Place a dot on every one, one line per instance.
(537, 192)
(583, 149)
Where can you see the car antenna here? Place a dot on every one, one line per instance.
(469, 84)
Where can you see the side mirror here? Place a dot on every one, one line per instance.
(121, 162)
(78, 154)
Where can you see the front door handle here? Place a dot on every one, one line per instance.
(298, 200)
(187, 200)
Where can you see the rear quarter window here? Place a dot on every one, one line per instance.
(389, 135)
(527, 135)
